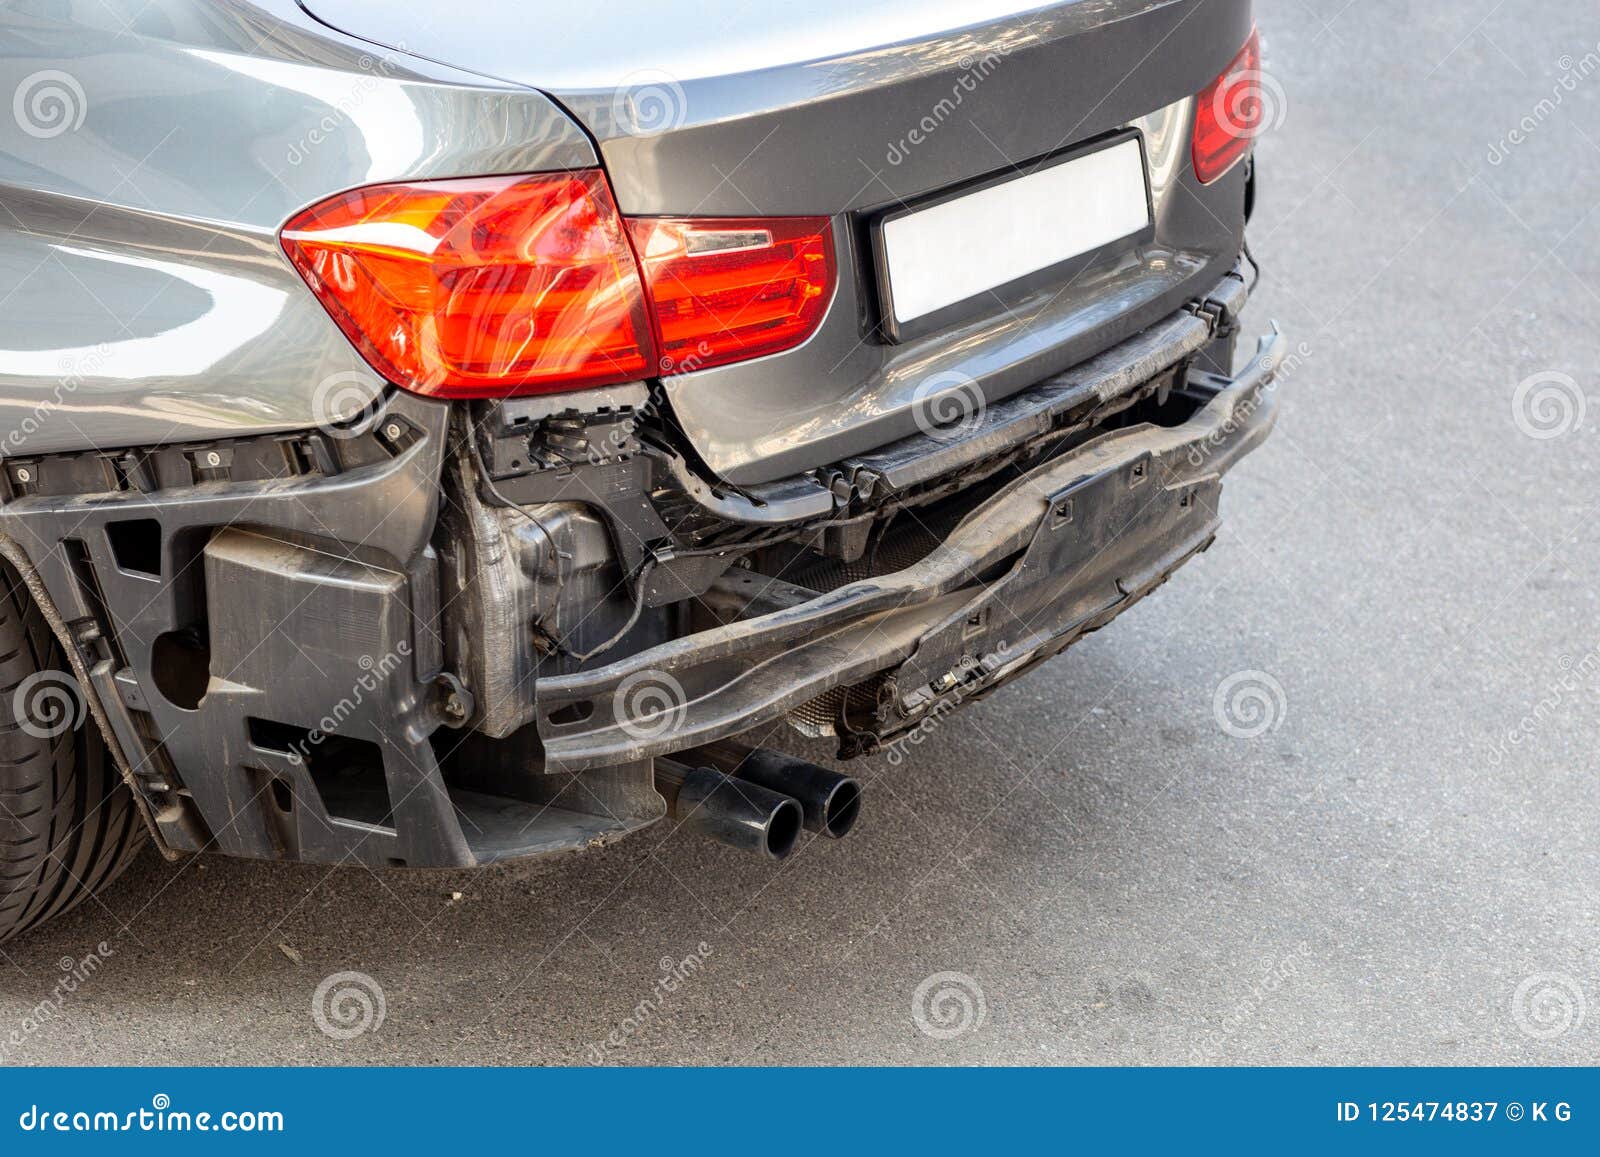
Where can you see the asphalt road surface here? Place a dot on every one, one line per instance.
(1328, 796)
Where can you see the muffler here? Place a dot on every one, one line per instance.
(742, 814)
(831, 802)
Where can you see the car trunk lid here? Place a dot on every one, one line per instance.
(859, 109)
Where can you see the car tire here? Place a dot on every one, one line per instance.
(68, 823)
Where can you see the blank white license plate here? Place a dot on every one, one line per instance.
(960, 248)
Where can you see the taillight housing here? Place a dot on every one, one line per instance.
(1228, 113)
(484, 286)
(500, 286)
(727, 289)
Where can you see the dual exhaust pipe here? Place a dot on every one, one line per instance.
(756, 799)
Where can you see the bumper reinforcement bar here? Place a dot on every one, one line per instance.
(1090, 533)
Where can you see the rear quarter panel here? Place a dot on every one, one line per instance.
(853, 108)
(151, 151)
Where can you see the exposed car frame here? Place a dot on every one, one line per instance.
(317, 616)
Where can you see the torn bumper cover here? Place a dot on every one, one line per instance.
(1056, 553)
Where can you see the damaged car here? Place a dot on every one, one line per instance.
(434, 442)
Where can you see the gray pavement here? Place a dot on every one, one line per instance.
(1110, 867)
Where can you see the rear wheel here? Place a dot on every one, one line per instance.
(68, 824)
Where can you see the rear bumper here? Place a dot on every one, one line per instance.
(1055, 554)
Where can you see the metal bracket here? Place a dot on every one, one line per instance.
(456, 704)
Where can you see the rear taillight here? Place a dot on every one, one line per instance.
(1227, 113)
(497, 286)
(722, 290)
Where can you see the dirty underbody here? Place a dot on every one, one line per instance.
(303, 646)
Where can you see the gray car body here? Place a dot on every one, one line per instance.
(270, 571)
(152, 154)
(156, 149)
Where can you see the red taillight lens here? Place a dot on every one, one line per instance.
(494, 286)
(480, 287)
(1227, 113)
(726, 289)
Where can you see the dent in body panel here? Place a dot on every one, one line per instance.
(145, 296)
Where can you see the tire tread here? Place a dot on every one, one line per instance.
(68, 824)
